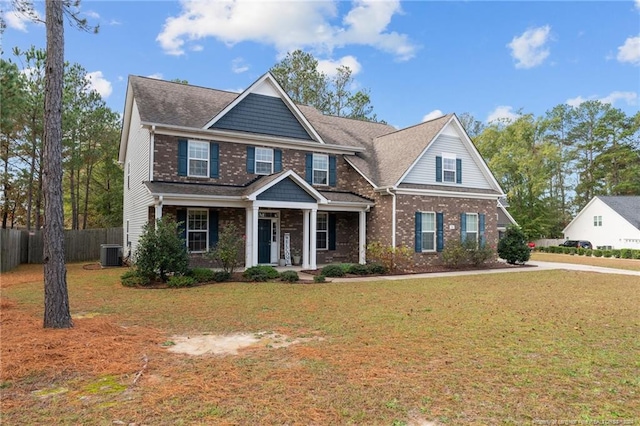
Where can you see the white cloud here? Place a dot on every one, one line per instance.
(91, 14)
(529, 49)
(286, 25)
(502, 113)
(630, 98)
(330, 67)
(157, 76)
(436, 113)
(638, 4)
(238, 66)
(100, 84)
(18, 21)
(630, 51)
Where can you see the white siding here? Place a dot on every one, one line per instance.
(615, 230)
(136, 198)
(424, 171)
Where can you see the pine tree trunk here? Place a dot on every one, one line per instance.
(56, 298)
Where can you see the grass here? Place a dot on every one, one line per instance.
(488, 349)
(607, 262)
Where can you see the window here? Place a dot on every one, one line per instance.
(320, 169)
(264, 161)
(198, 159)
(472, 226)
(597, 221)
(197, 230)
(322, 231)
(449, 169)
(428, 231)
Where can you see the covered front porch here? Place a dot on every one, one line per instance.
(281, 216)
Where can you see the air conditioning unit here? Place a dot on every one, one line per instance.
(110, 255)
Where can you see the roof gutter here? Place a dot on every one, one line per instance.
(173, 130)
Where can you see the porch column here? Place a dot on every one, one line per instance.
(313, 225)
(305, 239)
(248, 237)
(362, 238)
(158, 210)
(254, 236)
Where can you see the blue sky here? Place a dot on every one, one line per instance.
(419, 58)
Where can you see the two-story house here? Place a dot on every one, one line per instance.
(295, 180)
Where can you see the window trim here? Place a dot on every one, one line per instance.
(477, 231)
(256, 161)
(451, 157)
(325, 231)
(434, 232)
(597, 220)
(313, 169)
(189, 231)
(207, 158)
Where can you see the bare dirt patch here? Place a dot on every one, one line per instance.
(230, 344)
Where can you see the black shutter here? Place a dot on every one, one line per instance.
(438, 169)
(458, 170)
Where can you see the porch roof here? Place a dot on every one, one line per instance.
(238, 192)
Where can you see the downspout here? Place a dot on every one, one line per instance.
(152, 142)
(393, 218)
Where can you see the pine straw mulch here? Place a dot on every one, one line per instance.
(93, 347)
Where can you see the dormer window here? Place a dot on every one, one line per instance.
(448, 168)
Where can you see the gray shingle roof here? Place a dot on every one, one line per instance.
(626, 206)
(388, 152)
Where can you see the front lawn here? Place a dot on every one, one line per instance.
(488, 349)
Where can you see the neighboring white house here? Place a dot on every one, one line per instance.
(608, 222)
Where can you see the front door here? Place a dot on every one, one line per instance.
(264, 240)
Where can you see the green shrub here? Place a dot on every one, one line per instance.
(626, 254)
(261, 273)
(220, 276)
(333, 271)
(615, 253)
(454, 255)
(228, 251)
(178, 281)
(161, 251)
(588, 252)
(607, 253)
(393, 258)
(513, 246)
(481, 253)
(319, 279)
(289, 276)
(358, 269)
(580, 251)
(201, 275)
(541, 249)
(133, 278)
(597, 253)
(376, 268)
(572, 251)
(636, 254)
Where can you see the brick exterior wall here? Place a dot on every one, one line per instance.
(407, 205)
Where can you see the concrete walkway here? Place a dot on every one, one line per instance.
(537, 266)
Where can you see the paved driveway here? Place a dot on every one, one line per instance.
(537, 266)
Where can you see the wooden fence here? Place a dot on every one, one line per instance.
(19, 246)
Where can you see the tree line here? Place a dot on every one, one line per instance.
(92, 177)
(551, 166)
